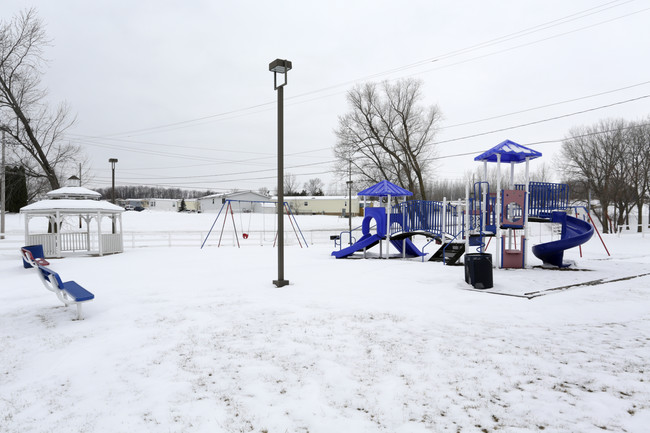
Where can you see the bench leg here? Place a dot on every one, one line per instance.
(79, 312)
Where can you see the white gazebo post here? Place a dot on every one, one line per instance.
(100, 244)
(444, 218)
(497, 212)
(524, 247)
(57, 233)
(87, 219)
(403, 226)
(467, 218)
(387, 226)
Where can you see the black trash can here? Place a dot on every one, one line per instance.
(478, 270)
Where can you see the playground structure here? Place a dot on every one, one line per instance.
(245, 209)
(460, 226)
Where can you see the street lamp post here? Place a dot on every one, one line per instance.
(279, 66)
(113, 161)
(3, 197)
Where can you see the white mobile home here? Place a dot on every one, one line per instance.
(325, 205)
(242, 201)
(166, 204)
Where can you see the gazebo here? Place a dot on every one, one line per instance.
(76, 223)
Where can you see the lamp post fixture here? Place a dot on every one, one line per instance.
(279, 66)
(113, 161)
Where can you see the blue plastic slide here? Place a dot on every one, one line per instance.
(411, 250)
(366, 241)
(574, 232)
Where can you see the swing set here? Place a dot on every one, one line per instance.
(251, 207)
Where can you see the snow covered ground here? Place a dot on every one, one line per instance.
(183, 339)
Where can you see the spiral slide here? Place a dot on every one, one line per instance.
(574, 232)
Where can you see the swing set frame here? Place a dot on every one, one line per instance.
(228, 205)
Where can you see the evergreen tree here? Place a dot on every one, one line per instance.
(16, 195)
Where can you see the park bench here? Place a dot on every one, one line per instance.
(69, 292)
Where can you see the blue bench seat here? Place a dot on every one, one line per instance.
(69, 292)
(76, 292)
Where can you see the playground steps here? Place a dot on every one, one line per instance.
(452, 253)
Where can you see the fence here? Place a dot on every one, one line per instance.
(196, 238)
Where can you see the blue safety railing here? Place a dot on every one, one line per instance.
(426, 216)
(545, 197)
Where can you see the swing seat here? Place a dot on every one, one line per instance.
(244, 235)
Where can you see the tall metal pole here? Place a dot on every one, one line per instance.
(280, 281)
(280, 66)
(3, 186)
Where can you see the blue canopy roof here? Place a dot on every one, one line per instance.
(510, 152)
(385, 188)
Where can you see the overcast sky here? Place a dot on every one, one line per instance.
(181, 94)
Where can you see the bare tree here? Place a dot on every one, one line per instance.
(593, 156)
(264, 191)
(290, 184)
(638, 164)
(35, 130)
(314, 186)
(388, 135)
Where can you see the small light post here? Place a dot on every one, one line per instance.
(349, 182)
(113, 161)
(279, 66)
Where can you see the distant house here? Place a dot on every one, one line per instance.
(324, 205)
(166, 204)
(244, 201)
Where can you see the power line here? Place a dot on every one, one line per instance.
(544, 106)
(236, 173)
(541, 121)
(222, 161)
(221, 181)
(495, 41)
(559, 140)
(434, 143)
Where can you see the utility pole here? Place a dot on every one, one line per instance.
(3, 186)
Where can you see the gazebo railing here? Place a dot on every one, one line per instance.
(112, 243)
(48, 240)
(76, 242)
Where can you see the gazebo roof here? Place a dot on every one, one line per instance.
(75, 206)
(385, 188)
(74, 192)
(510, 152)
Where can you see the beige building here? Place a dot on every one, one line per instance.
(324, 205)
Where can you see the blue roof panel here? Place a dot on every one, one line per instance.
(510, 152)
(383, 189)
